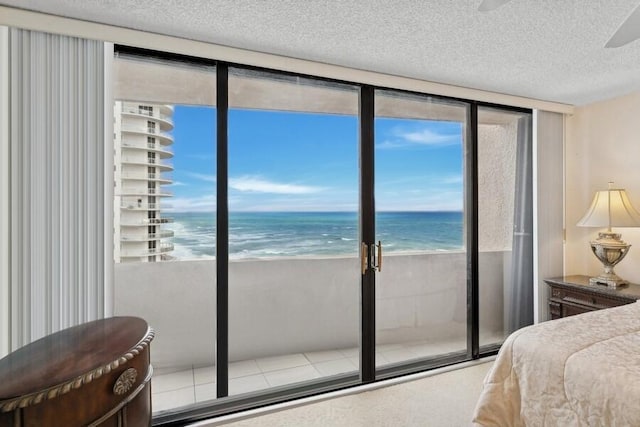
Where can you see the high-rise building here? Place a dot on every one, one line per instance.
(142, 149)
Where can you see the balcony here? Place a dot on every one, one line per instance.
(145, 130)
(160, 192)
(163, 150)
(134, 109)
(154, 221)
(160, 164)
(147, 221)
(134, 206)
(140, 176)
(137, 253)
(146, 237)
(160, 176)
(311, 323)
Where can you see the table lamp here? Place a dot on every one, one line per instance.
(610, 208)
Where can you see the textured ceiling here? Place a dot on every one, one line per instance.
(546, 49)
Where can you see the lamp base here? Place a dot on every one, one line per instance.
(610, 250)
(612, 282)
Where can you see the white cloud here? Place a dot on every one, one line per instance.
(193, 204)
(178, 183)
(202, 176)
(425, 137)
(259, 185)
(428, 137)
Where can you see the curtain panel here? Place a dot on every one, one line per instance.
(56, 183)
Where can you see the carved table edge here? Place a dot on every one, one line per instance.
(63, 388)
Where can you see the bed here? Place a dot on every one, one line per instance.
(582, 370)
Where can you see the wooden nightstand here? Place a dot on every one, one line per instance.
(574, 295)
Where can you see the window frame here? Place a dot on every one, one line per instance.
(368, 373)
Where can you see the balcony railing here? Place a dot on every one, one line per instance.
(144, 206)
(148, 146)
(148, 176)
(165, 247)
(135, 109)
(162, 248)
(146, 221)
(148, 130)
(145, 192)
(418, 315)
(157, 221)
(159, 192)
(144, 237)
(159, 147)
(156, 131)
(161, 163)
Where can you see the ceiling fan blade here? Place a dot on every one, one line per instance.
(628, 31)
(488, 5)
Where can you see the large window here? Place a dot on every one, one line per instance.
(286, 234)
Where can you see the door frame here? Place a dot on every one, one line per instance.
(367, 372)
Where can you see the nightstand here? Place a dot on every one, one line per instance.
(571, 295)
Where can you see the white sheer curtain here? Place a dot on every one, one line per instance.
(57, 258)
(520, 308)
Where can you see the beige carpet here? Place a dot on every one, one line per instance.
(445, 399)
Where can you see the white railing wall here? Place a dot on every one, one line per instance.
(57, 204)
(290, 305)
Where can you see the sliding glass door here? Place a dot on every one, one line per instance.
(420, 222)
(322, 234)
(293, 230)
(505, 219)
(164, 214)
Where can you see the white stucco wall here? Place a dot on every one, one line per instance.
(496, 185)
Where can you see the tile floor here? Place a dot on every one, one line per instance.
(176, 389)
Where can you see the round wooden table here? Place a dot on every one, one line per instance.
(95, 374)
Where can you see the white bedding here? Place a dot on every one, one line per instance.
(582, 370)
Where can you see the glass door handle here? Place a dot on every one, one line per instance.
(364, 254)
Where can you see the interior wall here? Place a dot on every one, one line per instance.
(603, 145)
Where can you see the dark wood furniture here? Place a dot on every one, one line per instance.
(95, 374)
(571, 295)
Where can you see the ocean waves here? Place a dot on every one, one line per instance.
(289, 234)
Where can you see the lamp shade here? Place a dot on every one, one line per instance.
(611, 208)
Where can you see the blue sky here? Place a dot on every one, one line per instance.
(282, 161)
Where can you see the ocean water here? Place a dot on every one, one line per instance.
(283, 234)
